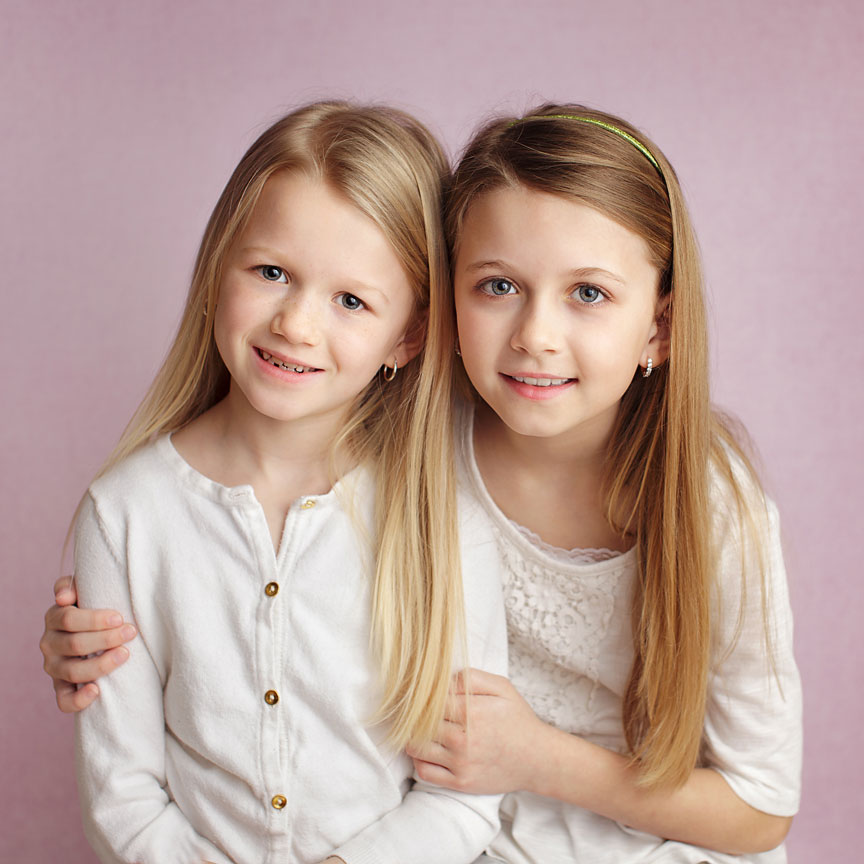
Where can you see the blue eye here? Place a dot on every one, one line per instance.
(498, 287)
(272, 273)
(589, 294)
(350, 302)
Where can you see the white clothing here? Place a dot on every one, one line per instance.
(571, 651)
(252, 678)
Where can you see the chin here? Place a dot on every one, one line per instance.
(529, 427)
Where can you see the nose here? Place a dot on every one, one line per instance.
(297, 319)
(538, 328)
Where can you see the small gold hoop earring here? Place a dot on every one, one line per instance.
(649, 366)
(389, 374)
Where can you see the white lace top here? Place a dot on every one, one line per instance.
(568, 619)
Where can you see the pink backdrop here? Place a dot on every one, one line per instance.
(121, 121)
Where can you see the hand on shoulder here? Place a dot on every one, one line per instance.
(79, 646)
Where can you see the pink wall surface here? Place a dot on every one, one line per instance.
(120, 123)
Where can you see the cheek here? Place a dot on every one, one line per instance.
(623, 337)
(227, 323)
(221, 330)
(363, 347)
(473, 327)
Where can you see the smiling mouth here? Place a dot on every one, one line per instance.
(541, 382)
(291, 367)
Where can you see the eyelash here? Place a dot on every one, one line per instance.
(485, 288)
(601, 295)
(262, 267)
(355, 297)
(284, 281)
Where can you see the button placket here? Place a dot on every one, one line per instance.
(271, 696)
(270, 636)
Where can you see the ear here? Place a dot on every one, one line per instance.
(657, 347)
(413, 339)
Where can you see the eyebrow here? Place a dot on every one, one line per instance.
(576, 273)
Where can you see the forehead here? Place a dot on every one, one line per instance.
(300, 213)
(527, 224)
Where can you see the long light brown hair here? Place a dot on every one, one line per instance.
(667, 441)
(391, 168)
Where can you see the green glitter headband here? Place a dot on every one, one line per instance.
(620, 132)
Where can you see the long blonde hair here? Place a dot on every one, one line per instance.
(667, 441)
(392, 169)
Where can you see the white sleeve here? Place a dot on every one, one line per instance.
(433, 825)
(753, 732)
(120, 739)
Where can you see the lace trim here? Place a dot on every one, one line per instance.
(566, 556)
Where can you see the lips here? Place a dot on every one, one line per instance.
(540, 382)
(283, 364)
(538, 388)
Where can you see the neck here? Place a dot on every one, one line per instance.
(235, 445)
(272, 447)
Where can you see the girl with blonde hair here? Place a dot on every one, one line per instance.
(653, 706)
(279, 520)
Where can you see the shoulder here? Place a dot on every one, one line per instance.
(144, 467)
(142, 485)
(750, 590)
(738, 502)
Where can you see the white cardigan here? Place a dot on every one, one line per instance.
(237, 730)
(571, 650)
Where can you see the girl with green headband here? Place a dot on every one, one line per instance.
(652, 710)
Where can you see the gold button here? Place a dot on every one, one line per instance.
(278, 801)
(271, 697)
(271, 589)
(308, 504)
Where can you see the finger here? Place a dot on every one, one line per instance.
(456, 709)
(437, 774)
(70, 699)
(77, 670)
(431, 752)
(60, 645)
(480, 682)
(71, 619)
(453, 737)
(64, 591)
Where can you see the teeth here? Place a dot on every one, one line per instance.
(273, 361)
(541, 382)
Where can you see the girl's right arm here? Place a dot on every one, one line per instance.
(81, 645)
(127, 811)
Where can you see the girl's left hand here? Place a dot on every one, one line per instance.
(500, 749)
